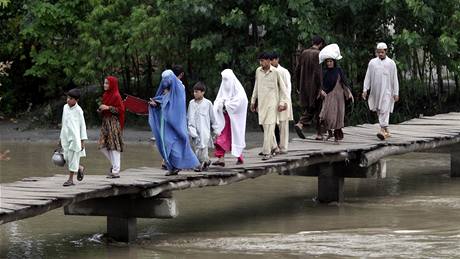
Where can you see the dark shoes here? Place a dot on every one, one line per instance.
(81, 173)
(319, 137)
(299, 132)
(218, 163)
(267, 157)
(202, 167)
(113, 176)
(172, 172)
(68, 183)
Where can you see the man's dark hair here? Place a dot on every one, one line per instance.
(177, 69)
(199, 86)
(274, 55)
(317, 40)
(264, 55)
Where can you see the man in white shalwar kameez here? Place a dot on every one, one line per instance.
(73, 135)
(382, 79)
(200, 117)
(286, 115)
(268, 99)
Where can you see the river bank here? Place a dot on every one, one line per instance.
(20, 131)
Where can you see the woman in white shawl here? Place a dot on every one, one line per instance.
(230, 109)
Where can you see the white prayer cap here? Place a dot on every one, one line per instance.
(330, 51)
(382, 45)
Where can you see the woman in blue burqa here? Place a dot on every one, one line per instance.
(168, 121)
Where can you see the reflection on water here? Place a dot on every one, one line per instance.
(412, 213)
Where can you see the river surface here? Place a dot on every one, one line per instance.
(413, 213)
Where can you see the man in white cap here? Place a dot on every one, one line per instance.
(382, 80)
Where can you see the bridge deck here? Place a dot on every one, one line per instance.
(36, 195)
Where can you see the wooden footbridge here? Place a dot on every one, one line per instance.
(147, 193)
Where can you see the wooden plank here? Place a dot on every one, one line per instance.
(5, 211)
(9, 206)
(13, 194)
(29, 202)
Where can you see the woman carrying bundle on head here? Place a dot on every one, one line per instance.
(334, 93)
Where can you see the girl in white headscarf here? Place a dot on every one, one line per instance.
(230, 109)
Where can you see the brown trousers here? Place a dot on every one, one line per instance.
(311, 114)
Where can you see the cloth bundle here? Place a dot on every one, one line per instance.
(330, 51)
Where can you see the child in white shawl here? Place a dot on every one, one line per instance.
(230, 109)
(73, 135)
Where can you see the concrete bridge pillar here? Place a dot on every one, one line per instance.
(330, 185)
(122, 229)
(122, 212)
(455, 161)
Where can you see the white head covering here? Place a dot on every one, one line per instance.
(330, 51)
(382, 45)
(232, 95)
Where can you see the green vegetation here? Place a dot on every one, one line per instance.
(59, 44)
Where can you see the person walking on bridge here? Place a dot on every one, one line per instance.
(73, 135)
(269, 97)
(168, 121)
(230, 110)
(382, 80)
(201, 125)
(334, 92)
(287, 115)
(112, 111)
(309, 78)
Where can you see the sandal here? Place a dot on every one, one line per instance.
(81, 173)
(205, 166)
(113, 176)
(330, 134)
(172, 172)
(68, 183)
(218, 163)
(198, 169)
(299, 132)
(318, 137)
(239, 162)
(266, 157)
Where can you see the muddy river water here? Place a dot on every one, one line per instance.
(413, 213)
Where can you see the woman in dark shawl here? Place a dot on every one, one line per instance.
(334, 91)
